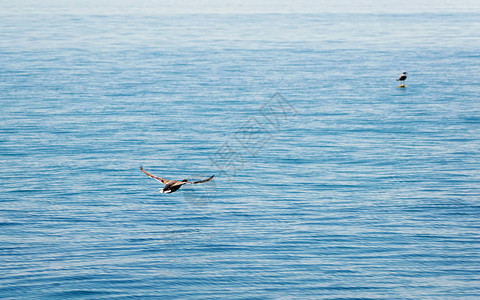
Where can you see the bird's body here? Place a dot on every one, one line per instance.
(402, 76)
(172, 185)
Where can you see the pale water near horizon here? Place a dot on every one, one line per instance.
(330, 182)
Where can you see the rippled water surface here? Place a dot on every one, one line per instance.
(330, 182)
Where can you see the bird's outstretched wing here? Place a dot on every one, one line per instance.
(162, 180)
(202, 181)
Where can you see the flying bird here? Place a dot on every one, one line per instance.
(402, 76)
(172, 185)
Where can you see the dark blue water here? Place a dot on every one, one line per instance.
(330, 182)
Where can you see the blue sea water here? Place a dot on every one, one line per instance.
(330, 182)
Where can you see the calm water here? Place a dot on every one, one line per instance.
(331, 182)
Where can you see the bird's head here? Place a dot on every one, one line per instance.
(160, 190)
(184, 180)
(404, 72)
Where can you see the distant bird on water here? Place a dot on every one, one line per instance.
(402, 76)
(172, 185)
